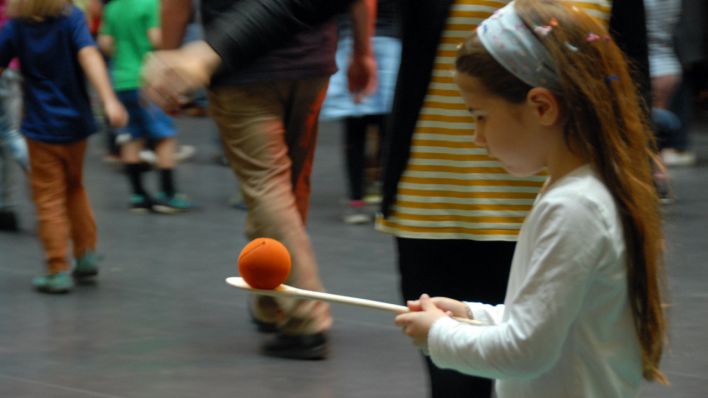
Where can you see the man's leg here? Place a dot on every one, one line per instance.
(251, 124)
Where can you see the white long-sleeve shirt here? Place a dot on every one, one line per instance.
(565, 329)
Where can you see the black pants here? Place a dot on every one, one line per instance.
(461, 269)
(355, 131)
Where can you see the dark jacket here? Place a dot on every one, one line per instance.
(303, 54)
(251, 28)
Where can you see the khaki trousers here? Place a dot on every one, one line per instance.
(269, 132)
(63, 209)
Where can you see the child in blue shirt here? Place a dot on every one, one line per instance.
(56, 53)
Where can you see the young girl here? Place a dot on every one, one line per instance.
(55, 50)
(582, 316)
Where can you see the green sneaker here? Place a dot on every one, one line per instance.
(176, 203)
(86, 267)
(60, 282)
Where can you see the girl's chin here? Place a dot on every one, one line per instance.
(520, 171)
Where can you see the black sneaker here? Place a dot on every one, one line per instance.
(8, 221)
(261, 325)
(177, 203)
(305, 346)
(141, 203)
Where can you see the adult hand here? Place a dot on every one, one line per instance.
(169, 75)
(115, 113)
(361, 76)
(416, 325)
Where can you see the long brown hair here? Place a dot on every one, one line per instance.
(607, 125)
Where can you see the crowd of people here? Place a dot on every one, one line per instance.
(522, 153)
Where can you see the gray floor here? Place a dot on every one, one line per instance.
(162, 323)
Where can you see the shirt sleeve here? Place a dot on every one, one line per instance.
(79, 30)
(568, 240)
(488, 314)
(7, 46)
(153, 20)
(105, 27)
(253, 27)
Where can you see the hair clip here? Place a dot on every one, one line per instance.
(591, 37)
(612, 78)
(543, 30)
(571, 47)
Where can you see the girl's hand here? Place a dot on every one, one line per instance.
(450, 306)
(115, 113)
(417, 325)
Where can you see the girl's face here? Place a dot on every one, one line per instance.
(509, 131)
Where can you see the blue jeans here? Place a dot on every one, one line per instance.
(12, 144)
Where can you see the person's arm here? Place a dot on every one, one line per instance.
(249, 29)
(155, 37)
(361, 74)
(95, 69)
(174, 17)
(106, 44)
(544, 307)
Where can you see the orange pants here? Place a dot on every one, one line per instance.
(63, 208)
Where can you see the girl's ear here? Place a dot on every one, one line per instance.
(545, 106)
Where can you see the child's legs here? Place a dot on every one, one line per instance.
(161, 128)
(83, 225)
(130, 150)
(165, 151)
(48, 177)
(682, 104)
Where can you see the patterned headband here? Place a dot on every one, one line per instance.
(517, 48)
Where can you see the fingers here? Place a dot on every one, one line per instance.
(414, 305)
(402, 319)
(163, 84)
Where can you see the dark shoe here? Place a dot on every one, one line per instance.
(176, 203)
(266, 307)
(263, 326)
(8, 221)
(141, 203)
(86, 267)
(306, 346)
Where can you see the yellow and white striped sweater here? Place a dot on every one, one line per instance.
(451, 189)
